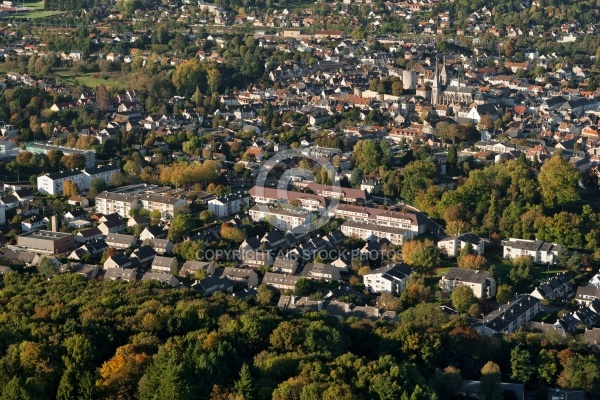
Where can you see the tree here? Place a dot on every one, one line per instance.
(155, 217)
(264, 294)
(102, 98)
(187, 77)
(70, 188)
(120, 375)
(418, 176)
(503, 294)
(47, 268)
(73, 161)
(245, 387)
(446, 383)
(452, 158)
(181, 225)
(547, 366)
(304, 287)
(422, 256)
(367, 156)
(463, 298)
(558, 180)
(472, 261)
(132, 168)
(230, 232)
(489, 387)
(97, 185)
(521, 365)
(213, 77)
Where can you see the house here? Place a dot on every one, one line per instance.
(88, 234)
(153, 232)
(452, 245)
(78, 201)
(224, 206)
(212, 284)
(119, 260)
(253, 258)
(34, 223)
(120, 241)
(24, 195)
(138, 220)
(481, 282)
(285, 265)
(144, 254)
(164, 264)
(243, 276)
(18, 257)
(75, 214)
(281, 281)
(511, 316)
(113, 226)
(9, 201)
(120, 274)
(541, 252)
(86, 270)
(190, 268)
(554, 288)
(389, 279)
(320, 271)
(587, 294)
(162, 246)
(161, 277)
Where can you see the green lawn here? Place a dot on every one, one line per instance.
(112, 81)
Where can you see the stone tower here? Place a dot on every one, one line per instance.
(435, 87)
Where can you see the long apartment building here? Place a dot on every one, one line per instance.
(280, 218)
(413, 223)
(43, 148)
(122, 204)
(275, 197)
(53, 183)
(370, 232)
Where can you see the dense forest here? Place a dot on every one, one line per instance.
(72, 338)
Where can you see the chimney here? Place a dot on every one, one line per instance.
(54, 221)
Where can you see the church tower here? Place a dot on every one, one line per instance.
(444, 74)
(435, 87)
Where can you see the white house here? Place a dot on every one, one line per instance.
(511, 316)
(389, 279)
(224, 206)
(452, 245)
(541, 252)
(53, 183)
(482, 283)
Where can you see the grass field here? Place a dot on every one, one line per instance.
(35, 10)
(112, 81)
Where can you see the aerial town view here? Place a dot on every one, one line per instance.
(298, 200)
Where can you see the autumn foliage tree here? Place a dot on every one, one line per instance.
(120, 375)
(472, 261)
(73, 161)
(230, 232)
(421, 255)
(70, 188)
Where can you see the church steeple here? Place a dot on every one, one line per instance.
(435, 93)
(444, 74)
